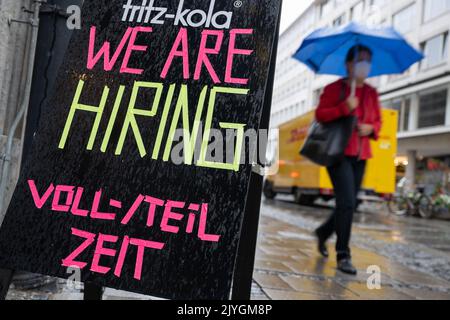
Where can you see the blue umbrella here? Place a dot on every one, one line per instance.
(325, 50)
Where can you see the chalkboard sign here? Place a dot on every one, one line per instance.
(123, 182)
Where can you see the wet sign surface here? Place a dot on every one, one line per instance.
(112, 188)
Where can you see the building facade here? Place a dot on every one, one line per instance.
(14, 39)
(421, 95)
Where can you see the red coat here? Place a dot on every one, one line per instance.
(333, 107)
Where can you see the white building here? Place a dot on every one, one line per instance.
(421, 95)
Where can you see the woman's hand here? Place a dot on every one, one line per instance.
(365, 130)
(352, 103)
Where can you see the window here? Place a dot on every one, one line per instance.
(432, 109)
(403, 106)
(406, 112)
(357, 12)
(435, 50)
(434, 8)
(397, 106)
(378, 3)
(339, 21)
(326, 8)
(402, 76)
(375, 9)
(404, 20)
(385, 23)
(338, 3)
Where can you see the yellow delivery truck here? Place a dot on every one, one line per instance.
(308, 182)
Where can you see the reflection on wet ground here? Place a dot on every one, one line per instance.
(413, 256)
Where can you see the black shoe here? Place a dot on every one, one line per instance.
(322, 245)
(347, 267)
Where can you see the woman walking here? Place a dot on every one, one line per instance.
(338, 101)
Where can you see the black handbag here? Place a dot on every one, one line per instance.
(326, 142)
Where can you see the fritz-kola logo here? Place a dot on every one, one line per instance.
(147, 13)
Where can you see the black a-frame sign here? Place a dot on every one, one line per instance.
(108, 190)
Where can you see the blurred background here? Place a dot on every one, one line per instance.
(421, 95)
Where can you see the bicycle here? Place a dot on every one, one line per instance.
(412, 203)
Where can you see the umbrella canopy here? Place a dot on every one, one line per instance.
(325, 50)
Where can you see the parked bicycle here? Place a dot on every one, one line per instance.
(413, 202)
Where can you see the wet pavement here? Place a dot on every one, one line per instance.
(411, 254)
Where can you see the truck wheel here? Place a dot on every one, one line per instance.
(304, 199)
(309, 200)
(268, 190)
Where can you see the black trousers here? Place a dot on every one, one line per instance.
(347, 178)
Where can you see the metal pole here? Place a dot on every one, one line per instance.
(34, 22)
